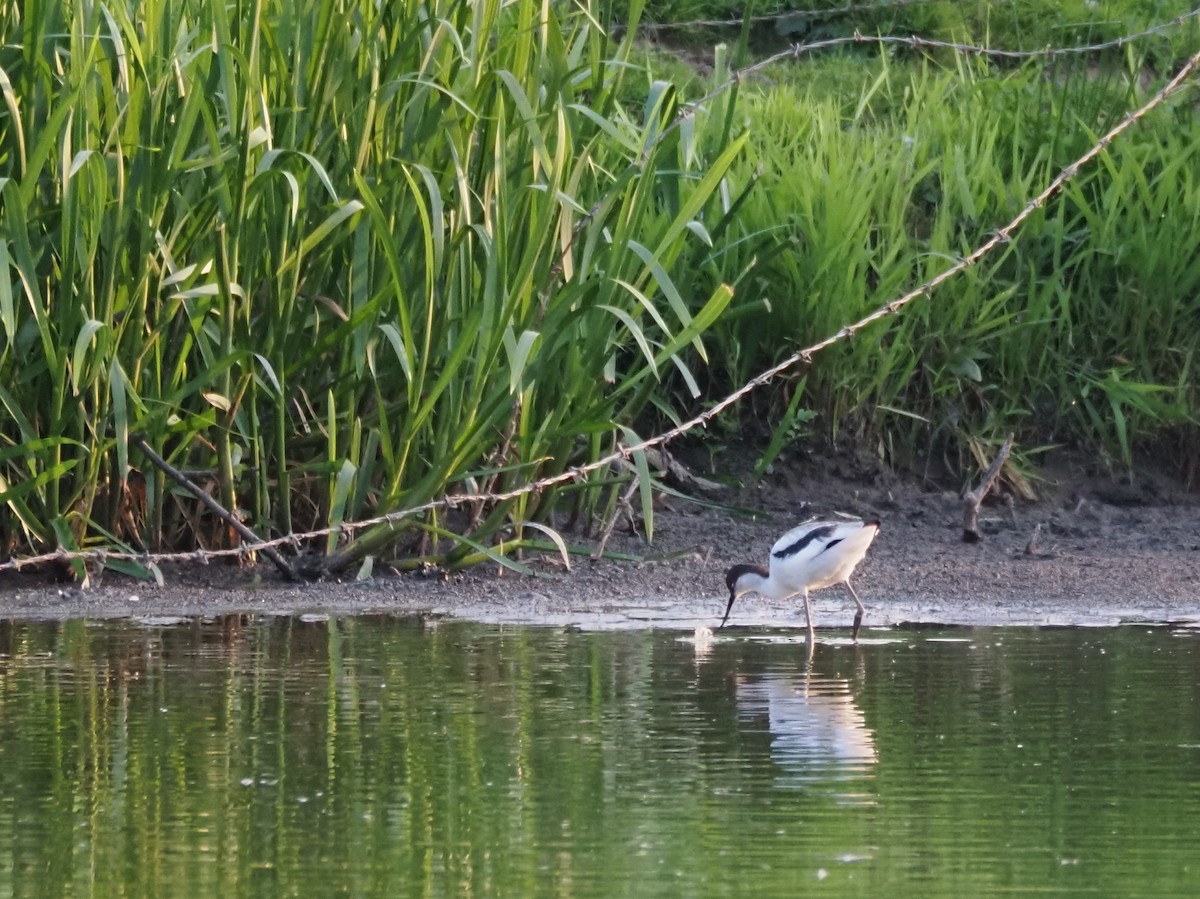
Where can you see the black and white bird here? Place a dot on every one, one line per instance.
(810, 556)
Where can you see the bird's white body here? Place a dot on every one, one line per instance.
(810, 556)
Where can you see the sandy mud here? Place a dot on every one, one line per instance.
(1101, 554)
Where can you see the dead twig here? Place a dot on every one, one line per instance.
(1034, 547)
(623, 505)
(215, 507)
(973, 498)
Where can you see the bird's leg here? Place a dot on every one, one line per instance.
(808, 620)
(858, 616)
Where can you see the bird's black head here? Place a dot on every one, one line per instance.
(732, 576)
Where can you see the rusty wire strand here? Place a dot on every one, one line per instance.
(783, 15)
(1114, 43)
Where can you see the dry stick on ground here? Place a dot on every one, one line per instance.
(217, 509)
(1033, 547)
(623, 504)
(972, 499)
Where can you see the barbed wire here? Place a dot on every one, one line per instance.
(849, 9)
(1001, 236)
(858, 37)
(1112, 44)
(800, 49)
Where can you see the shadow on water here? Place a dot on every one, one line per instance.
(400, 756)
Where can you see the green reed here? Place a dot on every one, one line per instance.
(1075, 332)
(334, 259)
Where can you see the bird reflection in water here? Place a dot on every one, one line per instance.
(818, 733)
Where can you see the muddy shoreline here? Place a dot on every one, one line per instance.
(1103, 554)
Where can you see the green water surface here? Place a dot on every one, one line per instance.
(382, 756)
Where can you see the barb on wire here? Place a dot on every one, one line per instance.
(783, 15)
(804, 356)
(975, 50)
(851, 9)
(797, 50)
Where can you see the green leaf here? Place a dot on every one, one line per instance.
(8, 313)
(635, 331)
(66, 541)
(79, 359)
(645, 484)
(337, 503)
(555, 538)
(519, 350)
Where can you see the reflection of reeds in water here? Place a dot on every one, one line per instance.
(818, 733)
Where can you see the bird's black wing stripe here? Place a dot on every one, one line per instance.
(814, 534)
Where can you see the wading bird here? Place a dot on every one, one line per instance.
(810, 556)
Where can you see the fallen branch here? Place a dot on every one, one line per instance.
(973, 499)
(215, 507)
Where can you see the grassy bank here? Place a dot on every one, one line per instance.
(333, 259)
(336, 259)
(1082, 330)
(876, 167)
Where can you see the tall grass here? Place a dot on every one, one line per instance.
(334, 258)
(1082, 330)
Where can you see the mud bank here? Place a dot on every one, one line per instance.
(1102, 555)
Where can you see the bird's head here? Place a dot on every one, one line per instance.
(738, 581)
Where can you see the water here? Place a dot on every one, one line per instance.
(382, 756)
